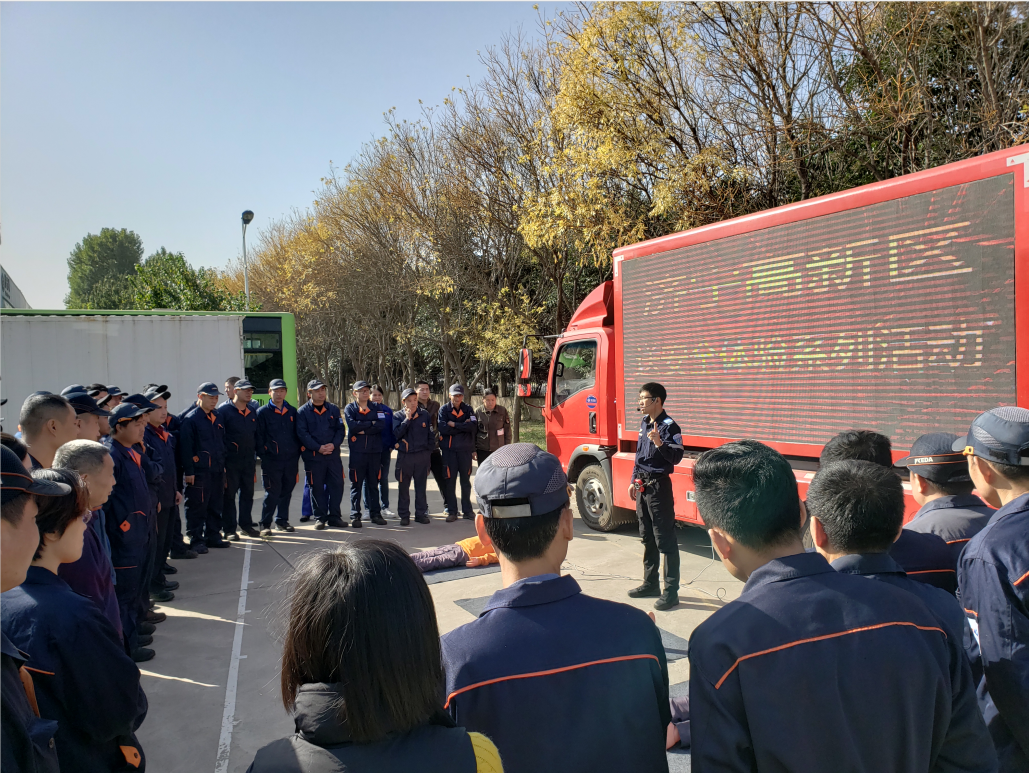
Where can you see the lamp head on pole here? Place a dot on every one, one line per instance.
(247, 217)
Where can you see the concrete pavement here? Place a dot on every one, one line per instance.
(214, 685)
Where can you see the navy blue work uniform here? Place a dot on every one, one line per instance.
(457, 444)
(128, 529)
(416, 441)
(172, 425)
(83, 678)
(202, 449)
(160, 446)
(540, 651)
(927, 558)
(815, 670)
(655, 508)
(388, 444)
(279, 449)
(994, 578)
(27, 742)
(364, 442)
(240, 464)
(954, 519)
(318, 426)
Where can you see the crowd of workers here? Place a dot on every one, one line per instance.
(858, 643)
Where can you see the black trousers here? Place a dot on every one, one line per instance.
(438, 473)
(162, 545)
(458, 464)
(204, 506)
(363, 467)
(656, 513)
(280, 477)
(325, 477)
(239, 479)
(412, 467)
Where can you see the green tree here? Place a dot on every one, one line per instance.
(97, 267)
(166, 281)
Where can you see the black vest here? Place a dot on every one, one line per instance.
(322, 744)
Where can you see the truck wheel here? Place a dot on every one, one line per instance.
(595, 502)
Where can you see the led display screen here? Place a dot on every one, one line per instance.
(896, 317)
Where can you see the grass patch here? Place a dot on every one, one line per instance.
(533, 432)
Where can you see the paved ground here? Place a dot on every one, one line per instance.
(214, 685)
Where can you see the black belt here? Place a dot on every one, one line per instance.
(653, 476)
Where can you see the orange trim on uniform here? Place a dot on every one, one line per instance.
(956, 541)
(29, 688)
(974, 614)
(1020, 579)
(125, 526)
(546, 673)
(320, 411)
(933, 571)
(823, 638)
(18, 475)
(135, 457)
(126, 567)
(39, 671)
(131, 755)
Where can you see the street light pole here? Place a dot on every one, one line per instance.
(247, 217)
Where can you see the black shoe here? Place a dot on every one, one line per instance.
(166, 585)
(155, 617)
(198, 547)
(378, 520)
(169, 569)
(250, 531)
(405, 521)
(162, 596)
(190, 552)
(283, 526)
(645, 592)
(668, 600)
(321, 525)
(423, 519)
(232, 536)
(142, 654)
(305, 518)
(266, 532)
(356, 524)
(145, 640)
(145, 628)
(468, 517)
(338, 523)
(451, 518)
(217, 543)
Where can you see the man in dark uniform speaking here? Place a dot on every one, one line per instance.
(658, 450)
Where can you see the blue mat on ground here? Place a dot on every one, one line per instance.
(459, 573)
(679, 759)
(676, 647)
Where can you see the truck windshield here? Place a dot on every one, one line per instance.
(574, 370)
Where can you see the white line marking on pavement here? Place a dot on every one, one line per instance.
(221, 764)
(175, 678)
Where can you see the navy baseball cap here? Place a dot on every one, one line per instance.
(83, 403)
(456, 389)
(360, 385)
(407, 393)
(244, 384)
(113, 391)
(157, 391)
(17, 481)
(127, 412)
(277, 383)
(520, 480)
(314, 384)
(933, 457)
(73, 388)
(999, 435)
(208, 388)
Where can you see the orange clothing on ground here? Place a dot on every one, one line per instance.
(474, 548)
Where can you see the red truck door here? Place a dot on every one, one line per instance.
(573, 409)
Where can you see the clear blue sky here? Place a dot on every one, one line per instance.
(170, 119)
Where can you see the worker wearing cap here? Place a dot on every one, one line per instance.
(993, 577)
(457, 427)
(494, 428)
(240, 419)
(87, 413)
(321, 432)
(365, 421)
(172, 425)
(436, 460)
(412, 429)
(541, 642)
(658, 450)
(279, 448)
(942, 487)
(202, 450)
(114, 398)
(128, 520)
(26, 740)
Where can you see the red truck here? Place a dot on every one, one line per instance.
(900, 307)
